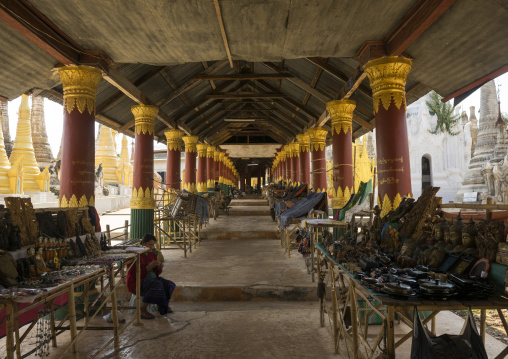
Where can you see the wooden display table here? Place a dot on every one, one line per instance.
(107, 273)
(350, 299)
(316, 225)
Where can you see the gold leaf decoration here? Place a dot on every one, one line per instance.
(79, 87)
(387, 77)
(144, 117)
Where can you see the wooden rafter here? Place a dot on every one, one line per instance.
(242, 76)
(223, 31)
(117, 97)
(241, 96)
(189, 85)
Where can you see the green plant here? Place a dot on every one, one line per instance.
(444, 112)
(504, 116)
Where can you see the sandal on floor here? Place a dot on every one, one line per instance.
(170, 310)
(147, 316)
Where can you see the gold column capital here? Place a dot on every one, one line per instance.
(221, 156)
(216, 155)
(317, 138)
(210, 151)
(190, 143)
(144, 116)
(283, 154)
(295, 146)
(341, 114)
(387, 77)
(304, 141)
(202, 149)
(79, 87)
(174, 139)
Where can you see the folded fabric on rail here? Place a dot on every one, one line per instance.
(301, 208)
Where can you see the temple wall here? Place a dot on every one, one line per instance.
(449, 155)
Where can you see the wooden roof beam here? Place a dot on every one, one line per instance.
(243, 77)
(414, 23)
(223, 31)
(117, 97)
(241, 96)
(189, 85)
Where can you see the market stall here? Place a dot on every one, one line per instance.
(415, 259)
(54, 271)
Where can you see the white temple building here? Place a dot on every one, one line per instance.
(439, 160)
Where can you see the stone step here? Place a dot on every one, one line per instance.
(217, 234)
(239, 203)
(199, 292)
(246, 212)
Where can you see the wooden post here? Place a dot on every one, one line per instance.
(16, 331)
(488, 217)
(483, 317)
(126, 231)
(9, 331)
(354, 317)
(72, 322)
(390, 332)
(335, 309)
(53, 331)
(108, 234)
(114, 309)
(138, 291)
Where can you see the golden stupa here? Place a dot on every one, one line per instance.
(106, 155)
(33, 179)
(364, 167)
(5, 167)
(124, 171)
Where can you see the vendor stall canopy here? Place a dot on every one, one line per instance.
(248, 71)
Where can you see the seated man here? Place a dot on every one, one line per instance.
(154, 289)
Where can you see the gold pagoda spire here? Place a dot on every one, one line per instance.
(5, 166)
(106, 155)
(124, 172)
(23, 148)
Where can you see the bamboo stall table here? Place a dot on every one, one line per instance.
(288, 239)
(314, 228)
(89, 281)
(353, 338)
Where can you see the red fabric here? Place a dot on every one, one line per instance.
(31, 315)
(145, 259)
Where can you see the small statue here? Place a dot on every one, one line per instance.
(30, 254)
(456, 233)
(440, 232)
(39, 260)
(469, 238)
(56, 262)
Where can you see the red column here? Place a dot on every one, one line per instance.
(189, 182)
(341, 114)
(289, 163)
(142, 202)
(387, 77)
(210, 168)
(77, 177)
(295, 165)
(216, 163)
(318, 160)
(283, 168)
(201, 173)
(304, 141)
(173, 164)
